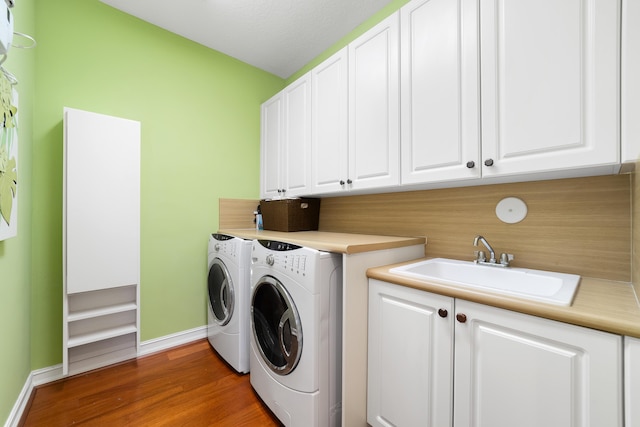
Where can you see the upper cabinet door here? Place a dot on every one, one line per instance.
(374, 115)
(296, 152)
(271, 130)
(440, 91)
(549, 76)
(330, 132)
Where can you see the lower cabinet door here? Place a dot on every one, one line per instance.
(513, 369)
(410, 357)
(632, 381)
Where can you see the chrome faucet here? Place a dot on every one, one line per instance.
(492, 254)
(481, 258)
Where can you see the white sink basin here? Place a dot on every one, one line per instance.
(537, 285)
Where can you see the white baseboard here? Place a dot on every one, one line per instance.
(168, 341)
(53, 373)
(20, 405)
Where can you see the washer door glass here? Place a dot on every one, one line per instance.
(276, 325)
(221, 297)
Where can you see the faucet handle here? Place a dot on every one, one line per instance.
(505, 259)
(480, 256)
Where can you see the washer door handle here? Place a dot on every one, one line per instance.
(288, 355)
(223, 301)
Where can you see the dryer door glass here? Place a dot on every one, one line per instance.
(276, 325)
(221, 296)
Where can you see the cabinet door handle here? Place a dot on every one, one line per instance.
(341, 182)
(488, 162)
(443, 313)
(460, 317)
(471, 164)
(349, 181)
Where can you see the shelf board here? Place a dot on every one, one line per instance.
(101, 311)
(83, 339)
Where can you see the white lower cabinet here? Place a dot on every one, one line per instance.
(632, 381)
(439, 361)
(410, 370)
(515, 369)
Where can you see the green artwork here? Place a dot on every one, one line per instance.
(8, 160)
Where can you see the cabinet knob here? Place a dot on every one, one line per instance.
(488, 162)
(443, 313)
(349, 181)
(471, 164)
(341, 182)
(462, 318)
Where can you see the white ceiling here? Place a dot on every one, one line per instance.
(278, 36)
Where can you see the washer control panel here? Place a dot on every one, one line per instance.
(275, 245)
(283, 257)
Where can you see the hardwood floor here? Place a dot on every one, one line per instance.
(184, 386)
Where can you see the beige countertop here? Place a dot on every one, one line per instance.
(599, 304)
(344, 243)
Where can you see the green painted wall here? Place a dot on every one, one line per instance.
(200, 115)
(15, 253)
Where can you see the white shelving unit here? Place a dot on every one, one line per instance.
(101, 240)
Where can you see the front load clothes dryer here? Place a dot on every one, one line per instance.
(296, 339)
(229, 285)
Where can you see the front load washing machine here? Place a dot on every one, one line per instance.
(229, 284)
(296, 339)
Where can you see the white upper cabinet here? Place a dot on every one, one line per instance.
(286, 142)
(440, 91)
(630, 81)
(444, 92)
(374, 113)
(270, 142)
(550, 85)
(330, 132)
(297, 137)
(532, 91)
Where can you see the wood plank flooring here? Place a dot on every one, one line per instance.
(188, 385)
